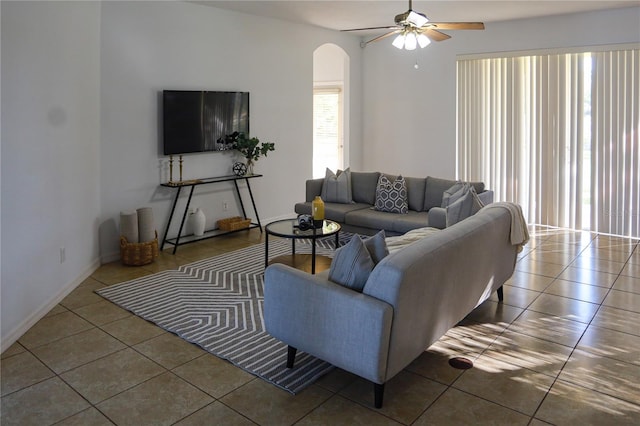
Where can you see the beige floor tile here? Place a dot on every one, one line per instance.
(630, 284)
(336, 380)
(612, 344)
(53, 328)
(631, 270)
(617, 319)
(605, 375)
(83, 295)
(540, 268)
(516, 296)
(266, 404)
(555, 329)
(575, 310)
(579, 291)
(554, 246)
(58, 309)
(108, 376)
(88, 417)
(494, 313)
(406, 395)
(623, 300)
(623, 245)
(116, 272)
(595, 264)
(195, 252)
(459, 408)
(529, 281)
(606, 254)
(469, 337)
(217, 413)
(511, 386)
(572, 237)
(587, 276)
(213, 375)
(162, 400)
(102, 312)
(568, 404)
(557, 257)
(21, 371)
(166, 261)
(433, 364)
(132, 330)
(43, 403)
(340, 411)
(528, 352)
(169, 350)
(12, 350)
(81, 348)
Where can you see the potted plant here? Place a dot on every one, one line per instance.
(250, 148)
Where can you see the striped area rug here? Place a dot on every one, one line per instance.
(217, 303)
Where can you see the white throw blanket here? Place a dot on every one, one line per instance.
(519, 230)
(396, 243)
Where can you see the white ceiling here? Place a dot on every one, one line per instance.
(338, 15)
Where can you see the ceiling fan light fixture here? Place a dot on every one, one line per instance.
(399, 41)
(423, 41)
(410, 41)
(417, 19)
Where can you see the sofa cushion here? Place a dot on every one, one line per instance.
(332, 211)
(363, 187)
(370, 218)
(377, 246)
(337, 187)
(412, 220)
(435, 188)
(392, 196)
(351, 264)
(415, 192)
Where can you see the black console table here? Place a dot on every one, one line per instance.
(179, 240)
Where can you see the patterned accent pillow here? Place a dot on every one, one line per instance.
(392, 196)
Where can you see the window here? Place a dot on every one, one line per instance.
(556, 133)
(327, 130)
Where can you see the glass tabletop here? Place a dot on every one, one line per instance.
(288, 228)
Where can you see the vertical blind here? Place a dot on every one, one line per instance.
(557, 134)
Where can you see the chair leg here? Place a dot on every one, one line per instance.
(291, 356)
(500, 294)
(378, 391)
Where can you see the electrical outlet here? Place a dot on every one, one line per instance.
(63, 255)
(225, 206)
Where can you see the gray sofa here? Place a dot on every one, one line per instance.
(424, 197)
(410, 299)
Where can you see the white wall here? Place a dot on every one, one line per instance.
(150, 46)
(410, 115)
(50, 165)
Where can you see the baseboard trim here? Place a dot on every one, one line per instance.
(38, 314)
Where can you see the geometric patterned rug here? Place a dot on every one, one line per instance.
(217, 303)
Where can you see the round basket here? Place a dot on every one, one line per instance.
(137, 254)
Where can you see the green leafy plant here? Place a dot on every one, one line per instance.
(251, 148)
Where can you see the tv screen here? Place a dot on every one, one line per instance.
(198, 121)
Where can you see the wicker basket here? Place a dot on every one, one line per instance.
(233, 223)
(137, 254)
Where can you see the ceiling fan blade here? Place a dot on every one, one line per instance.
(454, 25)
(380, 37)
(394, 27)
(435, 35)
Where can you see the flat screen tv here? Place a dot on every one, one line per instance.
(198, 121)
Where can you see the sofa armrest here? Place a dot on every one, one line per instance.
(437, 217)
(486, 197)
(343, 327)
(313, 187)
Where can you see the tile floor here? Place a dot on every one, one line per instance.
(563, 348)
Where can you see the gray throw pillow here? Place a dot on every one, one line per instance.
(377, 247)
(351, 265)
(392, 196)
(337, 187)
(467, 205)
(454, 193)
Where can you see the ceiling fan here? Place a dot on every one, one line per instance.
(414, 29)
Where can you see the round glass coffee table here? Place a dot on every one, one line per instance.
(288, 228)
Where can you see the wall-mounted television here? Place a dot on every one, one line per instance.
(198, 121)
